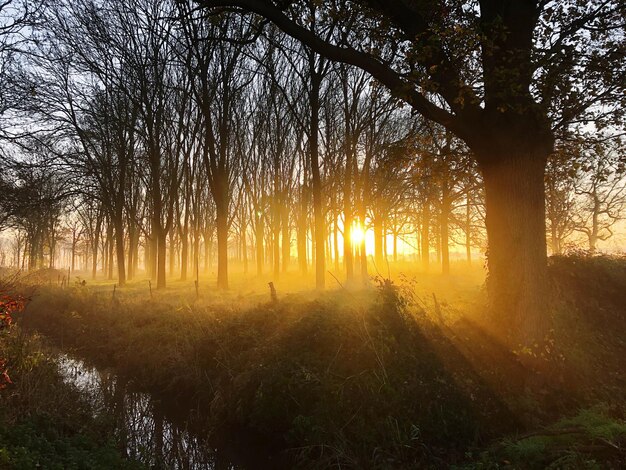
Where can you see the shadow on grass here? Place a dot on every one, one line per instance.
(346, 379)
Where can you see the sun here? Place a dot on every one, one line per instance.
(357, 234)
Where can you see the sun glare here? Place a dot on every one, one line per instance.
(357, 234)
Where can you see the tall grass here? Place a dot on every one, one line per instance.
(45, 422)
(382, 377)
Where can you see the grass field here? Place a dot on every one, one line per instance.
(401, 374)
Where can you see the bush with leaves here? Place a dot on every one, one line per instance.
(8, 305)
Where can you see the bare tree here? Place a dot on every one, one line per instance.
(602, 192)
(492, 73)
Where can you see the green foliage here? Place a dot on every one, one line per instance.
(45, 422)
(39, 442)
(592, 439)
(594, 283)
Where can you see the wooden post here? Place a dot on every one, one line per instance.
(273, 295)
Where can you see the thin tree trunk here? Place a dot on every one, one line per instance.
(302, 232)
(318, 213)
(260, 229)
(444, 228)
(161, 257)
(425, 234)
(336, 244)
(184, 254)
(244, 249)
(286, 237)
(378, 241)
(196, 252)
(468, 232)
(173, 252)
(121, 255)
(131, 253)
(222, 244)
(276, 240)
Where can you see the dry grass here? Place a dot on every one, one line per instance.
(376, 376)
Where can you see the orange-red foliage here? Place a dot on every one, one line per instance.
(8, 306)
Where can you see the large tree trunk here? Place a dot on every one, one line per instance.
(516, 229)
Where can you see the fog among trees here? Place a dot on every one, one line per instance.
(384, 204)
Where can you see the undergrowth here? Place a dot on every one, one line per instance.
(595, 438)
(352, 379)
(45, 422)
(310, 376)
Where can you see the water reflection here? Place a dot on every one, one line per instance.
(143, 430)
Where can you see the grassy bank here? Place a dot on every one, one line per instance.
(45, 422)
(368, 378)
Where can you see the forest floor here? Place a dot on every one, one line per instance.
(403, 374)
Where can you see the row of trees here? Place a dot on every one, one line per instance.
(505, 77)
(414, 202)
(168, 133)
(199, 124)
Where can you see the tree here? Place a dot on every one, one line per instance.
(602, 191)
(18, 17)
(561, 176)
(35, 201)
(500, 75)
(218, 81)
